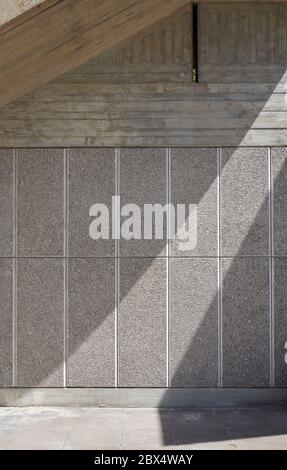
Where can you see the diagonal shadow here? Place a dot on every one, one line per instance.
(244, 359)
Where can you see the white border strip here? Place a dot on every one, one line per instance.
(168, 196)
(66, 235)
(117, 268)
(271, 268)
(15, 230)
(219, 267)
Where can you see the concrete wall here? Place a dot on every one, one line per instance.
(82, 313)
(142, 95)
(78, 313)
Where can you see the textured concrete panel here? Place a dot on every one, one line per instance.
(91, 181)
(6, 202)
(193, 322)
(194, 181)
(244, 201)
(91, 323)
(142, 323)
(40, 210)
(143, 181)
(280, 322)
(246, 322)
(6, 322)
(279, 176)
(40, 321)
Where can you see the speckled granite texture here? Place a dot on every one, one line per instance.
(6, 202)
(80, 313)
(194, 322)
(194, 181)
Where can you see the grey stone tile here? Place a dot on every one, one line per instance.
(6, 202)
(40, 322)
(194, 181)
(40, 205)
(5, 435)
(279, 177)
(244, 202)
(38, 436)
(277, 419)
(142, 323)
(280, 321)
(262, 443)
(247, 423)
(246, 332)
(150, 418)
(91, 181)
(194, 428)
(99, 418)
(91, 323)
(252, 429)
(194, 322)
(143, 181)
(142, 438)
(147, 429)
(94, 428)
(6, 315)
(93, 439)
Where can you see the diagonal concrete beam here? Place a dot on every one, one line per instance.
(53, 40)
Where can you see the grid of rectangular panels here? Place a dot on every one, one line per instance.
(83, 313)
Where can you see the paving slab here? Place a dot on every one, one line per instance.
(119, 428)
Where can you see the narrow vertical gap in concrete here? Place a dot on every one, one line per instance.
(66, 238)
(195, 77)
(168, 222)
(219, 255)
(271, 268)
(14, 327)
(117, 268)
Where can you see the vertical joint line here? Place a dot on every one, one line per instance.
(117, 267)
(66, 231)
(168, 241)
(195, 43)
(219, 287)
(14, 332)
(271, 268)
